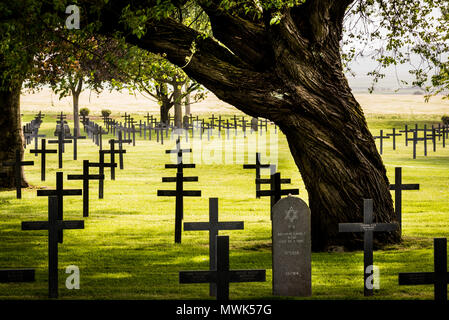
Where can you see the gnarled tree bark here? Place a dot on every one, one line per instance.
(11, 136)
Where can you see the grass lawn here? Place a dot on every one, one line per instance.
(127, 250)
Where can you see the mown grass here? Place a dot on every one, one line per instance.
(127, 250)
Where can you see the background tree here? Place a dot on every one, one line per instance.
(158, 79)
(76, 62)
(20, 39)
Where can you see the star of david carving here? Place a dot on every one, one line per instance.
(291, 215)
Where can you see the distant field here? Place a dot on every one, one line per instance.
(410, 105)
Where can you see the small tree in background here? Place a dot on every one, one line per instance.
(106, 112)
(76, 64)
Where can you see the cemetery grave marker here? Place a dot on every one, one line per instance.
(368, 228)
(61, 141)
(406, 131)
(17, 275)
(101, 165)
(120, 143)
(398, 187)
(179, 193)
(257, 166)
(75, 144)
(394, 135)
(276, 192)
(292, 249)
(213, 226)
(112, 152)
(86, 177)
(179, 152)
(439, 278)
(36, 137)
(54, 227)
(381, 137)
(222, 276)
(43, 151)
(17, 167)
(59, 193)
(254, 124)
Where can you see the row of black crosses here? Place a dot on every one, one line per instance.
(56, 224)
(441, 133)
(31, 130)
(131, 126)
(275, 192)
(219, 275)
(439, 278)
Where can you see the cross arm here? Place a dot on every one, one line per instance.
(175, 166)
(43, 151)
(409, 278)
(113, 151)
(35, 225)
(197, 276)
(98, 164)
(247, 275)
(286, 192)
(404, 187)
(174, 179)
(65, 192)
(180, 150)
(196, 226)
(82, 177)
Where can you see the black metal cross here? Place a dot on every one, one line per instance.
(120, 141)
(222, 276)
(406, 131)
(398, 187)
(17, 167)
(257, 166)
(212, 121)
(60, 193)
(17, 275)
(54, 226)
(179, 193)
(394, 135)
(213, 226)
(112, 152)
(86, 177)
(276, 192)
(178, 151)
(35, 134)
(439, 278)
(75, 144)
(101, 165)
(368, 228)
(381, 137)
(43, 151)
(61, 140)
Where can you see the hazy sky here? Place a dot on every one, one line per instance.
(365, 65)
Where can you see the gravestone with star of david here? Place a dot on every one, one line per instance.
(292, 266)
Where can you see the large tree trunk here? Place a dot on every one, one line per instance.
(11, 137)
(165, 109)
(187, 105)
(177, 99)
(76, 91)
(291, 73)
